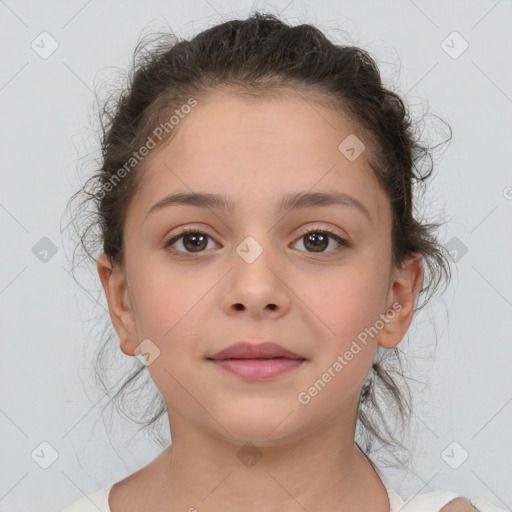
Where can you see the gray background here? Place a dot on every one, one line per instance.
(48, 135)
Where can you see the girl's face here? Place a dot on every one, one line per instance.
(255, 275)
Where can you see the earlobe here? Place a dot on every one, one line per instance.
(113, 280)
(404, 287)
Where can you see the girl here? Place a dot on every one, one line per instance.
(259, 255)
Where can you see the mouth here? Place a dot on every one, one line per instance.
(259, 368)
(260, 361)
(258, 351)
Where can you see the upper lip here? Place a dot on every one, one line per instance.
(246, 350)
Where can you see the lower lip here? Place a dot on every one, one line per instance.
(258, 369)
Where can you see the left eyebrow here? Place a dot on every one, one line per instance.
(293, 201)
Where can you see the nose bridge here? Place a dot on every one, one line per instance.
(254, 282)
(253, 259)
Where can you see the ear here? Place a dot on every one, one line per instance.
(404, 286)
(113, 280)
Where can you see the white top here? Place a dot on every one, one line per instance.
(428, 502)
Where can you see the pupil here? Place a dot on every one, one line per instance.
(197, 240)
(318, 241)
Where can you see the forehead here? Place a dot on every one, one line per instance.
(265, 148)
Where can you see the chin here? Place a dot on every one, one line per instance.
(272, 428)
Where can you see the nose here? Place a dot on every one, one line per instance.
(256, 288)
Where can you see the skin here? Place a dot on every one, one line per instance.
(459, 505)
(187, 307)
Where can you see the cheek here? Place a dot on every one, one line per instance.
(348, 304)
(165, 298)
(347, 301)
(173, 319)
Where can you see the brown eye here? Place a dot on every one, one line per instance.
(193, 241)
(317, 241)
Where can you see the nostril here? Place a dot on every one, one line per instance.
(239, 306)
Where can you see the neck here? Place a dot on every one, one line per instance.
(319, 472)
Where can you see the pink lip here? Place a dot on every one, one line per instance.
(246, 350)
(258, 369)
(257, 361)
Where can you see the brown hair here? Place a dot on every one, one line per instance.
(255, 57)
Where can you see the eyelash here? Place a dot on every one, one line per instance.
(344, 244)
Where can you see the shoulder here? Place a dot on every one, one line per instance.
(462, 504)
(95, 502)
(459, 504)
(444, 501)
